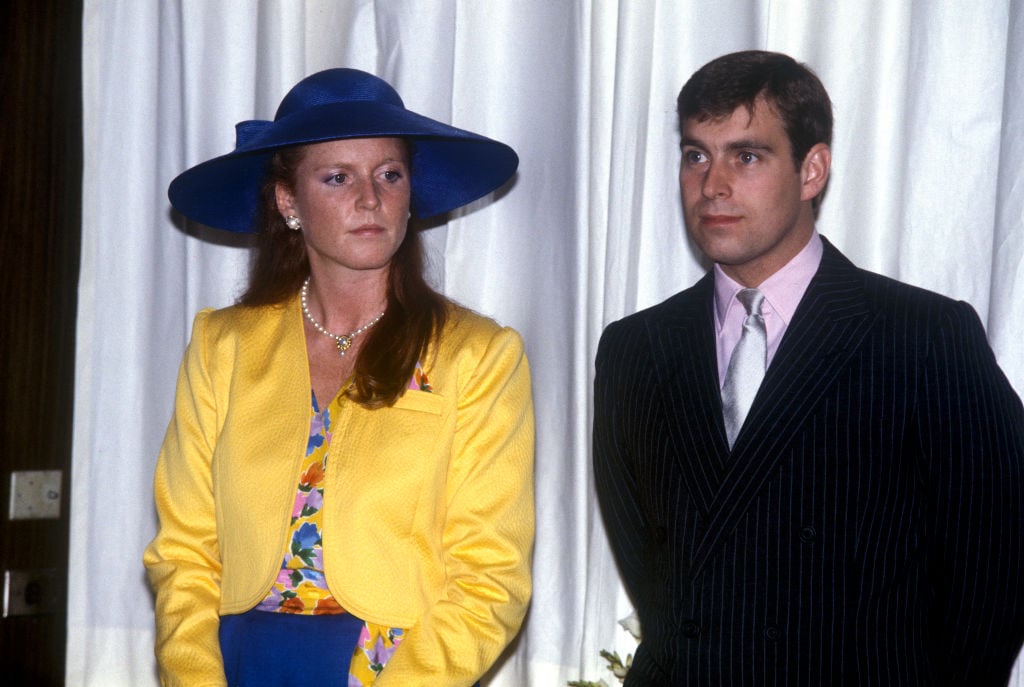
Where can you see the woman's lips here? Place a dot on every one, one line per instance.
(368, 229)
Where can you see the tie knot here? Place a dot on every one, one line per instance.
(751, 300)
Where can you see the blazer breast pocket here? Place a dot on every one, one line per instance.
(397, 455)
(422, 401)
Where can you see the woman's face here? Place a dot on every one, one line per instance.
(352, 197)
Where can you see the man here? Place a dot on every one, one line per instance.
(856, 516)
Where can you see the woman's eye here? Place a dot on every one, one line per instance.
(338, 178)
(392, 175)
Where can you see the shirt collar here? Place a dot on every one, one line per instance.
(783, 290)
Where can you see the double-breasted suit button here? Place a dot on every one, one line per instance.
(808, 534)
(690, 629)
(771, 633)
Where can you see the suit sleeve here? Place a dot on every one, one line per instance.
(183, 560)
(973, 437)
(488, 530)
(622, 389)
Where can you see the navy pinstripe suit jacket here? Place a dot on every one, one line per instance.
(867, 528)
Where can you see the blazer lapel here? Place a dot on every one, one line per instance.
(683, 346)
(827, 328)
(272, 380)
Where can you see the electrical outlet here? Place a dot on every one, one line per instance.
(30, 592)
(35, 494)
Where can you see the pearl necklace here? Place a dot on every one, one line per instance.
(344, 341)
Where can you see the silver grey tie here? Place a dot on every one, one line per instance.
(747, 365)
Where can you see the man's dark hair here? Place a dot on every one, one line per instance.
(790, 88)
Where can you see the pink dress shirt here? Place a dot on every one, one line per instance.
(782, 293)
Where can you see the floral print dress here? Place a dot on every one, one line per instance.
(301, 587)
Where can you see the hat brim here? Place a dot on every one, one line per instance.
(450, 167)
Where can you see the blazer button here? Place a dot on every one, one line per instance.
(808, 534)
(771, 633)
(690, 629)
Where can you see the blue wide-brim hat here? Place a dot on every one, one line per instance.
(450, 167)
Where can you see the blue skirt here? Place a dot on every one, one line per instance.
(263, 649)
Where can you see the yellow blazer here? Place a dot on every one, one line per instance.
(428, 509)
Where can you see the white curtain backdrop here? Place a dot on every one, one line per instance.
(927, 187)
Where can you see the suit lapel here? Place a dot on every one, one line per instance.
(828, 326)
(683, 345)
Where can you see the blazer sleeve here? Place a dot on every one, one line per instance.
(973, 438)
(183, 560)
(489, 526)
(622, 402)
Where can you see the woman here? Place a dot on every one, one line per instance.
(345, 488)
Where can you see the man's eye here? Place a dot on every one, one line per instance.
(747, 158)
(338, 178)
(694, 157)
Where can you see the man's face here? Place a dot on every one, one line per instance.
(747, 204)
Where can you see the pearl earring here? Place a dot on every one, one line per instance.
(293, 222)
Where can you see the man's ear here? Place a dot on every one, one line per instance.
(814, 171)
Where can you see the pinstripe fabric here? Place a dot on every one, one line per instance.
(868, 527)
